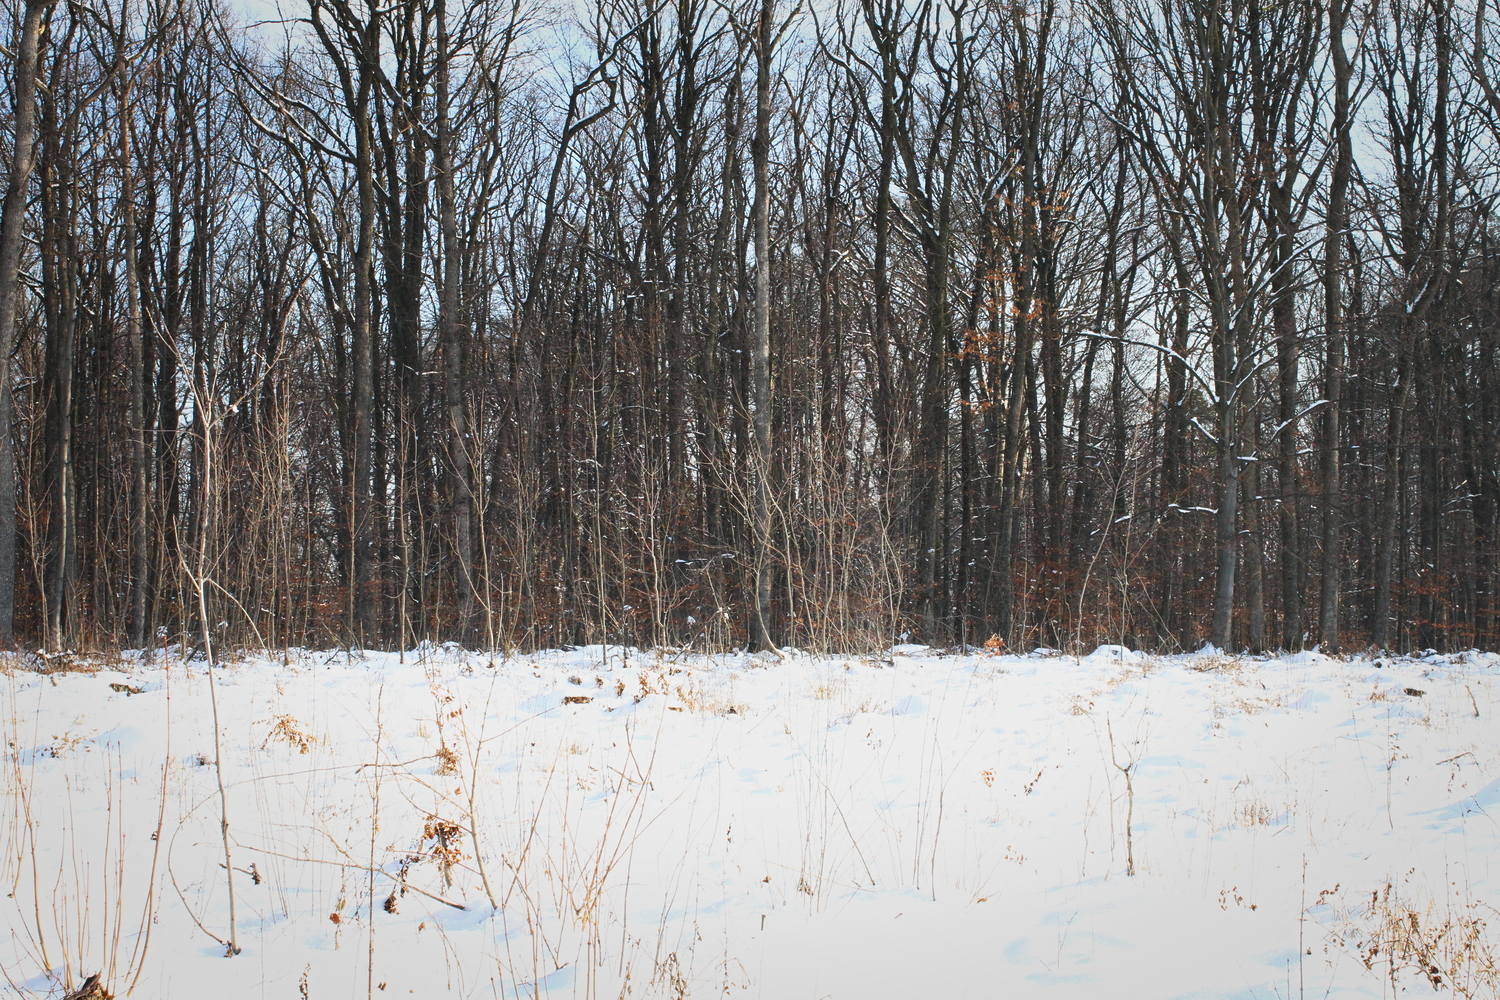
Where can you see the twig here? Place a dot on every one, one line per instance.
(1126, 770)
(350, 864)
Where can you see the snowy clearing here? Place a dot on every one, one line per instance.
(610, 823)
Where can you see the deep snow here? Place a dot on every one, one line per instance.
(904, 825)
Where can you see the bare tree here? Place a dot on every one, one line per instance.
(12, 233)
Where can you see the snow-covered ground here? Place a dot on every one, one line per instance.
(611, 823)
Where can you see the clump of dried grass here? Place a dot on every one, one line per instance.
(1216, 663)
(1447, 943)
(706, 699)
(288, 730)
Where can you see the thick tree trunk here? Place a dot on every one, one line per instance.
(1284, 322)
(361, 514)
(1333, 370)
(1226, 523)
(62, 299)
(1254, 553)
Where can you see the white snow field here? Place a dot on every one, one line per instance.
(611, 823)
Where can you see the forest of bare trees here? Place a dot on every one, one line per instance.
(715, 322)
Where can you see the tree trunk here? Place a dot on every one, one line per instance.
(12, 229)
(760, 335)
(1333, 372)
(460, 461)
(140, 554)
(1284, 323)
(1254, 549)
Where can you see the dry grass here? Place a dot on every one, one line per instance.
(1256, 813)
(1132, 670)
(1244, 701)
(1217, 663)
(286, 729)
(698, 697)
(828, 689)
(1242, 692)
(1446, 943)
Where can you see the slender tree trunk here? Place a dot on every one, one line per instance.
(12, 228)
(460, 463)
(1387, 526)
(1174, 449)
(1003, 568)
(140, 555)
(884, 30)
(760, 334)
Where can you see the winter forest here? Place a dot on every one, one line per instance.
(714, 323)
(783, 499)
